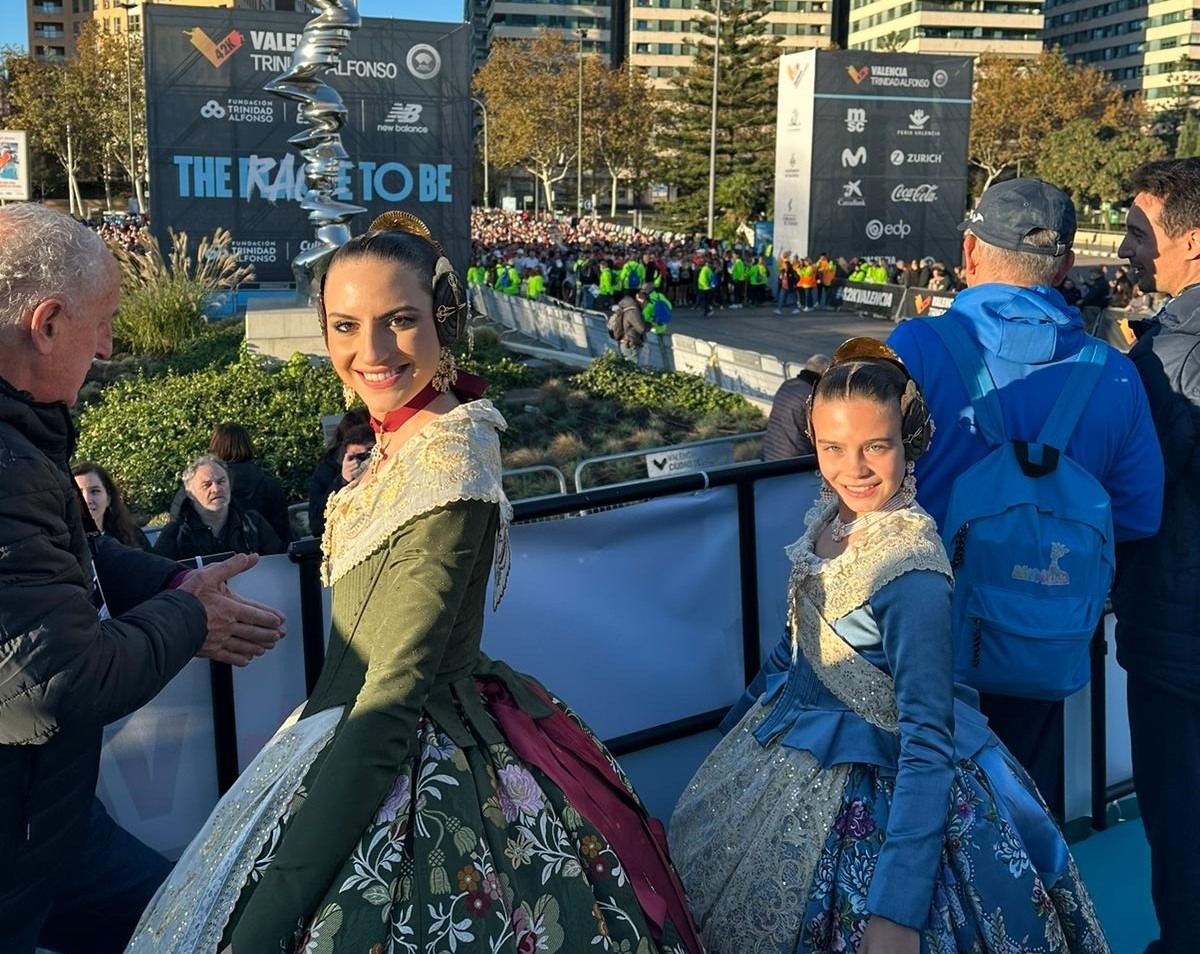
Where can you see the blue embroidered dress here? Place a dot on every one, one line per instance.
(857, 779)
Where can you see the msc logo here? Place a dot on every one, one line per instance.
(853, 158)
(404, 113)
(795, 72)
(858, 75)
(216, 53)
(856, 120)
(212, 110)
(424, 61)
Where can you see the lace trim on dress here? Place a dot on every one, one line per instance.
(823, 591)
(189, 912)
(454, 457)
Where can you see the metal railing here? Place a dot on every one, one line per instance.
(559, 476)
(650, 451)
(306, 555)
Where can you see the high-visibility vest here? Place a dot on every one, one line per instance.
(606, 280)
(534, 285)
(476, 275)
(737, 271)
(808, 277)
(758, 274)
(705, 281)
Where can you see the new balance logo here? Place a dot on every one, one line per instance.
(404, 113)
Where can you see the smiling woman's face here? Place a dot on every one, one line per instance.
(859, 450)
(380, 331)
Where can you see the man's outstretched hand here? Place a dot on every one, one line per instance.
(238, 629)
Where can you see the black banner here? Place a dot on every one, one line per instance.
(889, 155)
(219, 155)
(894, 302)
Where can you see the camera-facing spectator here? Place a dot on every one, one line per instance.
(210, 521)
(106, 504)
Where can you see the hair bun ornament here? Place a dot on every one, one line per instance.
(397, 221)
(867, 349)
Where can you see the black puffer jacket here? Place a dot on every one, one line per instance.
(245, 531)
(255, 489)
(1157, 595)
(64, 674)
(787, 427)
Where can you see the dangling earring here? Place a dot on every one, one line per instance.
(827, 493)
(348, 396)
(446, 373)
(908, 486)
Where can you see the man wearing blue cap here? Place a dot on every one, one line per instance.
(1016, 250)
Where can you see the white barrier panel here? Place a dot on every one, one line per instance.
(631, 615)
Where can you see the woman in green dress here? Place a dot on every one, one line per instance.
(428, 798)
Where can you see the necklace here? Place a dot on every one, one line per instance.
(394, 420)
(840, 529)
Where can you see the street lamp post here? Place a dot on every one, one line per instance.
(133, 176)
(579, 135)
(712, 131)
(483, 110)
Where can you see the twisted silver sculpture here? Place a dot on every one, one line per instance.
(321, 108)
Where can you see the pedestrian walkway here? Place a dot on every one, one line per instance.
(787, 337)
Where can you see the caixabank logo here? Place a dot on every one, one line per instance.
(217, 52)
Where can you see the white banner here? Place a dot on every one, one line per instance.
(793, 151)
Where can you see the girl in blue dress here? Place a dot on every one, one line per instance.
(859, 803)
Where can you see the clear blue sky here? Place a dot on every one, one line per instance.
(15, 32)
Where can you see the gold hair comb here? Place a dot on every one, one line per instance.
(397, 221)
(865, 349)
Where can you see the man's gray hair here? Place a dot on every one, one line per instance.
(204, 460)
(1025, 268)
(45, 254)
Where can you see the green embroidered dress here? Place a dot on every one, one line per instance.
(397, 814)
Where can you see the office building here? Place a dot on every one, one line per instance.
(113, 15)
(663, 39)
(522, 19)
(54, 25)
(966, 27)
(1151, 47)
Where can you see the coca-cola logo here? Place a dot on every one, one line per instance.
(925, 192)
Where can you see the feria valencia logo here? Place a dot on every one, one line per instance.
(877, 229)
(925, 192)
(218, 52)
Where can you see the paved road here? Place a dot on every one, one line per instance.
(787, 336)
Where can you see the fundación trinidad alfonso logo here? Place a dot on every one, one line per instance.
(858, 75)
(219, 52)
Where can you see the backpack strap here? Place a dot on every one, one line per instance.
(976, 377)
(1082, 381)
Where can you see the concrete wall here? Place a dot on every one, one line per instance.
(280, 332)
(583, 334)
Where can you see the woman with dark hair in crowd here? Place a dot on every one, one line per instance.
(253, 488)
(327, 477)
(427, 798)
(106, 504)
(211, 521)
(859, 803)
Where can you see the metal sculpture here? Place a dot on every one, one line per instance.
(322, 110)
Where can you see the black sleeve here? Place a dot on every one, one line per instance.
(275, 509)
(167, 542)
(268, 539)
(129, 576)
(60, 665)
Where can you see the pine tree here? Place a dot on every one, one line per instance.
(1189, 137)
(746, 98)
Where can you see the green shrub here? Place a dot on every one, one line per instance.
(146, 430)
(612, 376)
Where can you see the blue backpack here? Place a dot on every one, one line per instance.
(1030, 537)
